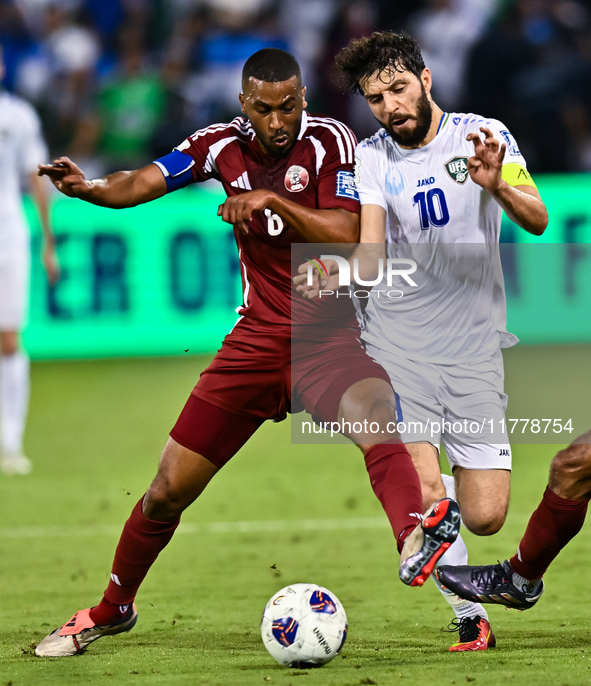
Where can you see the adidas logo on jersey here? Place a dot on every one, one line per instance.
(242, 182)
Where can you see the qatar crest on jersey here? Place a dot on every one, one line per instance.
(458, 169)
(296, 178)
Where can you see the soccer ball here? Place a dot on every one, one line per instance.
(303, 626)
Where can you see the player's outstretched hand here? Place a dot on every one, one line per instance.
(238, 209)
(486, 165)
(51, 263)
(66, 176)
(309, 291)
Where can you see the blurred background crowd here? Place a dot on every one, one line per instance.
(120, 82)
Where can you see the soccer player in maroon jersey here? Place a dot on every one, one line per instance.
(518, 582)
(289, 179)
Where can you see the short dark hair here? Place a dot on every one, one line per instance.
(382, 50)
(271, 65)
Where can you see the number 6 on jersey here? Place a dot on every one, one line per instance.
(274, 223)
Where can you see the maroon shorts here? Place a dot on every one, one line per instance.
(262, 373)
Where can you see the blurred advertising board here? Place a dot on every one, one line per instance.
(158, 279)
(164, 278)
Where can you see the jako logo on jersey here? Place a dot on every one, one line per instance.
(394, 182)
(296, 179)
(458, 169)
(504, 453)
(425, 182)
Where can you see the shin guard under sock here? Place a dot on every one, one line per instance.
(396, 484)
(550, 528)
(141, 541)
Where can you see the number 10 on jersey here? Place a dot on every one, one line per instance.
(432, 208)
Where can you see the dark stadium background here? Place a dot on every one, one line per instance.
(118, 82)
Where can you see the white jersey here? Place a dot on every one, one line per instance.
(457, 311)
(21, 149)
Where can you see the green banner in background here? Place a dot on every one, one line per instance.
(548, 278)
(159, 279)
(164, 278)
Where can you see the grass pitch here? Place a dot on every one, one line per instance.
(276, 514)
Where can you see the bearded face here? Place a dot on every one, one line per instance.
(401, 104)
(410, 129)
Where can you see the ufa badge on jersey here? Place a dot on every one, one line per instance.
(458, 169)
(296, 178)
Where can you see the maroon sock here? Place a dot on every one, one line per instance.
(396, 484)
(550, 528)
(140, 543)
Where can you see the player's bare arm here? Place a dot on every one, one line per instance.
(317, 226)
(49, 257)
(522, 204)
(117, 191)
(373, 224)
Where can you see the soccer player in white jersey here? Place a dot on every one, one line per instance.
(430, 176)
(21, 149)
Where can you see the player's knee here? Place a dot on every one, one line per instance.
(383, 411)
(484, 524)
(380, 407)
(8, 344)
(164, 501)
(371, 400)
(570, 471)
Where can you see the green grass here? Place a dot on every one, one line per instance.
(95, 433)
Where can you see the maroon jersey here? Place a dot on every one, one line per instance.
(317, 173)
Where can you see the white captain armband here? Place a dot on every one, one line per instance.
(176, 167)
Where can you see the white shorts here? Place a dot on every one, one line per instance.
(462, 406)
(14, 288)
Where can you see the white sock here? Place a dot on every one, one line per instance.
(14, 400)
(450, 486)
(450, 490)
(457, 554)
(523, 584)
